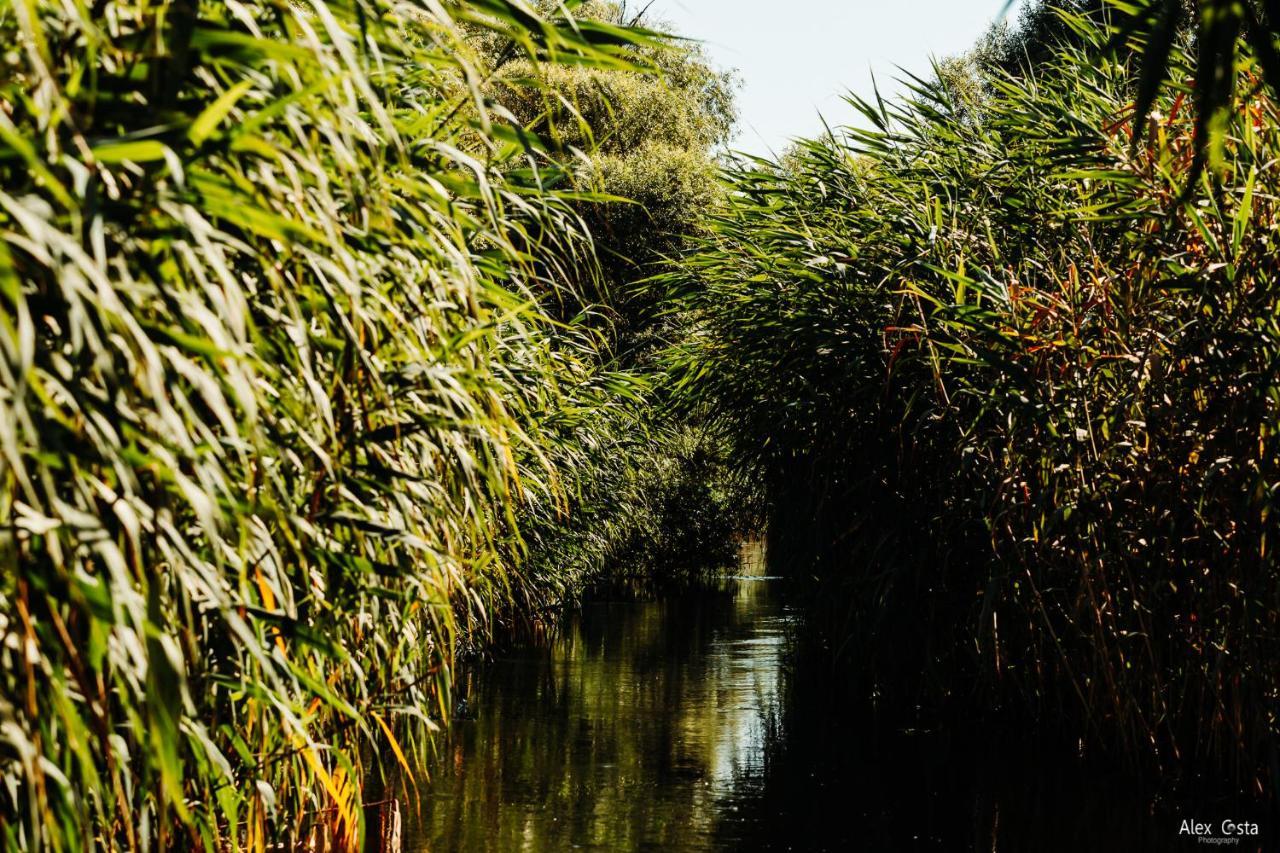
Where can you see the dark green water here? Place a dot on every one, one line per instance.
(684, 725)
(641, 726)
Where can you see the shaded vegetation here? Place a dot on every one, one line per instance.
(1015, 394)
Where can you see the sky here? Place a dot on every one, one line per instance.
(796, 58)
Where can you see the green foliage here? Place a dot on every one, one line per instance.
(646, 498)
(1157, 30)
(275, 388)
(644, 139)
(1007, 329)
(1039, 32)
(662, 508)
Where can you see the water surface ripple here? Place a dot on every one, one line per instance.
(640, 726)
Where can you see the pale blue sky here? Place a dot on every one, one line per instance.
(796, 58)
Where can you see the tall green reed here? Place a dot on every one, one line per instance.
(276, 384)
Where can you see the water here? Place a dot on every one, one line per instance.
(681, 725)
(637, 728)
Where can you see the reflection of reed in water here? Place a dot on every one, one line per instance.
(629, 729)
(838, 774)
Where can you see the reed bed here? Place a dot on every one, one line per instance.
(277, 392)
(310, 375)
(1005, 364)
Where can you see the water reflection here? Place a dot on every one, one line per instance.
(691, 724)
(635, 729)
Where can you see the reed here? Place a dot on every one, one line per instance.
(1014, 390)
(277, 392)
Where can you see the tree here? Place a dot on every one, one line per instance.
(647, 139)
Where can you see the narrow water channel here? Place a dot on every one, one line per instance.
(679, 725)
(642, 725)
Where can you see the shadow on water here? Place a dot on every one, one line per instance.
(689, 723)
(833, 779)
